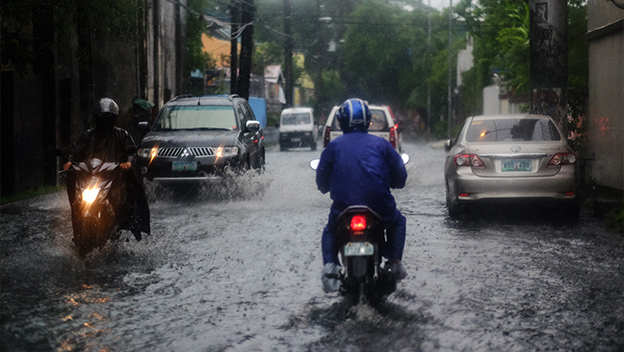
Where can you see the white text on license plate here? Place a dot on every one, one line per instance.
(184, 165)
(515, 165)
(358, 248)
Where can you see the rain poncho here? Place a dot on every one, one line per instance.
(359, 169)
(113, 144)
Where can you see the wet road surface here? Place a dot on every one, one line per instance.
(239, 270)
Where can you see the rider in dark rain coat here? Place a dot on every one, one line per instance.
(113, 144)
(359, 169)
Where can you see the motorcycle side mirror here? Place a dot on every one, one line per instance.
(405, 158)
(314, 164)
(143, 126)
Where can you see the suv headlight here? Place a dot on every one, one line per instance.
(144, 152)
(226, 151)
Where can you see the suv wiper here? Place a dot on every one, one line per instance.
(206, 129)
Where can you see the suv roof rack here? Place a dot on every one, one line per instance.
(183, 96)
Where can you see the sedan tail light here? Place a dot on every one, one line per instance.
(562, 159)
(326, 136)
(393, 139)
(472, 160)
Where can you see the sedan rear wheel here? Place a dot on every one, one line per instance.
(454, 210)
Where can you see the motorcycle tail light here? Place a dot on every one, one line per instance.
(358, 223)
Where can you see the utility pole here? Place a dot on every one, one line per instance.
(288, 74)
(450, 72)
(248, 17)
(429, 63)
(234, 20)
(548, 58)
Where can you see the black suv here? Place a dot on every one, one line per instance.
(195, 139)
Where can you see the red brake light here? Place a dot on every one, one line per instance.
(326, 136)
(358, 223)
(393, 136)
(562, 159)
(469, 160)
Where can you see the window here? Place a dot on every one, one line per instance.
(538, 130)
(183, 117)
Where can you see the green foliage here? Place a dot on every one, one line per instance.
(30, 193)
(196, 58)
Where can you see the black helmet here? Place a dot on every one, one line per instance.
(105, 112)
(354, 113)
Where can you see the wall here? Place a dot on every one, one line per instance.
(605, 133)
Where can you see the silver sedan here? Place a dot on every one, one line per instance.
(510, 158)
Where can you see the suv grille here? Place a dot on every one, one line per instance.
(174, 152)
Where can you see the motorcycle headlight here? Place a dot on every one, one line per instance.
(89, 195)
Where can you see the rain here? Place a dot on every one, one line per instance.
(236, 267)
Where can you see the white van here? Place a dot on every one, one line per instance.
(297, 128)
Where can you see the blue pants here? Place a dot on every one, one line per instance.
(392, 250)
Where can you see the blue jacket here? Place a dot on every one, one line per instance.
(358, 168)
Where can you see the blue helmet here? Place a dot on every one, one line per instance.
(354, 113)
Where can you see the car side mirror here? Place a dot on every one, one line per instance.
(143, 126)
(448, 144)
(253, 126)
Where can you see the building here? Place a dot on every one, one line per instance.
(60, 60)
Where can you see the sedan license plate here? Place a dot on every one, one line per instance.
(515, 165)
(295, 139)
(358, 248)
(184, 166)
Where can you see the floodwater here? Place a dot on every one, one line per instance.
(238, 269)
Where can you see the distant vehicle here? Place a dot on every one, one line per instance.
(196, 139)
(382, 125)
(510, 158)
(297, 128)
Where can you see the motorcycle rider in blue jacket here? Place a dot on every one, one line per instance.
(358, 168)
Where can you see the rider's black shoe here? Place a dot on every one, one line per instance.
(137, 235)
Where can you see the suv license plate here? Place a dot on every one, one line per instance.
(358, 248)
(515, 165)
(184, 166)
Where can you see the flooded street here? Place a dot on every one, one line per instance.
(239, 270)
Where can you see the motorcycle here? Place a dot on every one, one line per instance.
(94, 214)
(360, 233)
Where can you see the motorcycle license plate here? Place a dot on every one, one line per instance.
(352, 249)
(184, 166)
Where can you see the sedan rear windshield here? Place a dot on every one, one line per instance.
(296, 119)
(538, 130)
(196, 117)
(379, 121)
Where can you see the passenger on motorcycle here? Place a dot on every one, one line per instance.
(358, 168)
(113, 144)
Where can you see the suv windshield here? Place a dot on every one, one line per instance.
(538, 130)
(185, 117)
(379, 121)
(296, 119)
